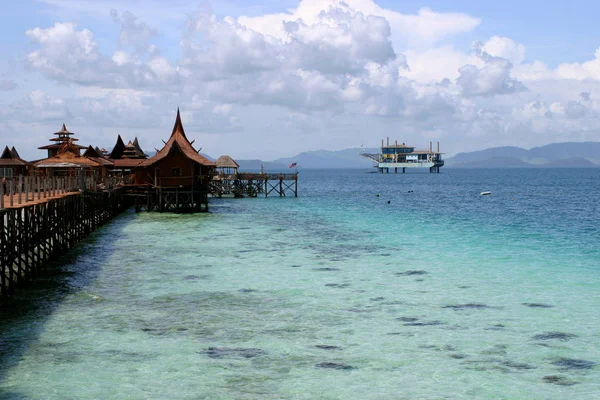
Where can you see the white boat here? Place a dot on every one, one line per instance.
(485, 193)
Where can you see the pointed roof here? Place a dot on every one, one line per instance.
(129, 150)
(62, 133)
(95, 155)
(138, 148)
(178, 140)
(11, 157)
(226, 162)
(117, 151)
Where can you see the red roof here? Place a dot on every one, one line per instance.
(180, 141)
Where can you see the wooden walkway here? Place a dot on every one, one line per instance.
(30, 190)
(37, 227)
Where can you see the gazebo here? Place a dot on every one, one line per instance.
(227, 166)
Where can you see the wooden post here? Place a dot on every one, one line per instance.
(1, 202)
(281, 194)
(12, 190)
(20, 189)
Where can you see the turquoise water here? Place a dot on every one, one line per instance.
(440, 294)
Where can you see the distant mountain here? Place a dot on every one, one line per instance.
(497, 162)
(463, 159)
(573, 162)
(556, 155)
(255, 165)
(348, 158)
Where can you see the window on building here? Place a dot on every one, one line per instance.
(6, 172)
(176, 171)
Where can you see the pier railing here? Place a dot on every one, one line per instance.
(247, 184)
(21, 190)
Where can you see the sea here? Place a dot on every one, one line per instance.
(366, 286)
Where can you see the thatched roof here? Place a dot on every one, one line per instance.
(178, 141)
(226, 162)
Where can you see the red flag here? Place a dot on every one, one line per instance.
(292, 165)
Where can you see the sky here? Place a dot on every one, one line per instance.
(267, 79)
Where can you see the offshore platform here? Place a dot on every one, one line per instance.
(402, 156)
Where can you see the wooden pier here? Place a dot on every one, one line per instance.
(41, 221)
(254, 184)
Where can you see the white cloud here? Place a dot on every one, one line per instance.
(327, 73)
(492, 78)
(504, 47)
(407, 30)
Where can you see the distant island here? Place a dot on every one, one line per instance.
(556, 155)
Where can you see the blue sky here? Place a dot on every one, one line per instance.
(410, 67)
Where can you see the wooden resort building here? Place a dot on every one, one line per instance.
(69, 162)
(178, 177)
(63, 136)
(125, 157)
(11, 164)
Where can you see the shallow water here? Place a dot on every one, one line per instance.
(440, 294)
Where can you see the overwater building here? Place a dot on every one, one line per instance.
(63, 136)
(178, 173)
(395, 156)
(11, 164)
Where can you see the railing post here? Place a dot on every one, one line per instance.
(12, 189)
(20, 189)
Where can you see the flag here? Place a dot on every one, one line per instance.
(292, 165)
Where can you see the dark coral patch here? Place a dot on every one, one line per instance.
(426, 323)
(559, 380)
(537, 305)
(411, 273)
(563, 337)
(333, 365)
(468, 306)
(232, 352)
(328, 347)
(571, 363)
(407, 319)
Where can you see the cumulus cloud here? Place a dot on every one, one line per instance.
(492, 78)
(134, 33)
(353, 67)
(67, 55)
(39, 106)
(504, 47)
(419, 29)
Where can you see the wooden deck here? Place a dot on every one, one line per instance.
(246, 184)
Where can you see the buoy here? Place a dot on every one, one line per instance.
(389, 201)
(377, 195)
